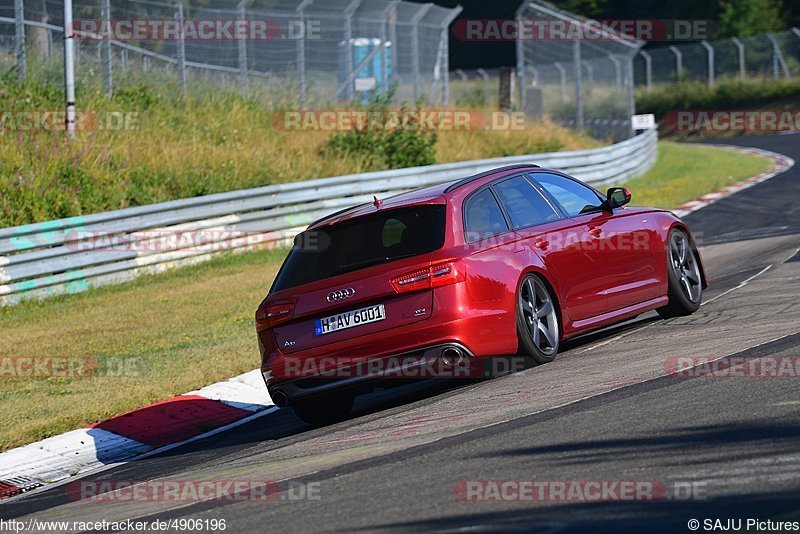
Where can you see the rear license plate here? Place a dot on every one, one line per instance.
(349, 319)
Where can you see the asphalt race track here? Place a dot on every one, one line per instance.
(603, 411)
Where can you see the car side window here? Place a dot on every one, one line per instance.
(483, 217)
(573, 196)
(523, 203)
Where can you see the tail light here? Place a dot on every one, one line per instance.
(273, 314)
(436, 275)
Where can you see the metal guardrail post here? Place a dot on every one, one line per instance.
(710, 63)
(740, 49)
(181, 46)
(19, 38)
(105, 47)
(648, 70)
(678, 62)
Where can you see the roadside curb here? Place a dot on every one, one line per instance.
(780, 164)
(133, 435)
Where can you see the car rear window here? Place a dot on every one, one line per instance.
(382, 237)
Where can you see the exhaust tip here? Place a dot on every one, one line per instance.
(452, 356)
(279, 398)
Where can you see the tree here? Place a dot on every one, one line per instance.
(744, 18)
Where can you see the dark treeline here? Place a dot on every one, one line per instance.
(732, 17)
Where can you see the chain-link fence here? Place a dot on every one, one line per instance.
(768, 56)
(580, 83)
(311, 52)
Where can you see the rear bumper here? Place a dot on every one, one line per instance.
(443, 360)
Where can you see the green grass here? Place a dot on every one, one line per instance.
(184, 329)
(684, 172)
(185, 147)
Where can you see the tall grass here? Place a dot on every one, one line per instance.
(184, 147)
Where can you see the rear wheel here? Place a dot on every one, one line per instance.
(683, 270)
(537, 320)
(321, 411)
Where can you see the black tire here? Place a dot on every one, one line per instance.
(547, 349)
(680, 302)
(326, 410)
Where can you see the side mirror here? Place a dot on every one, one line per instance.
(617, 196)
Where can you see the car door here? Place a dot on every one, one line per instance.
(621, 240)
(562, 246)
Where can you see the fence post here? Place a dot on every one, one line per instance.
(589, 73)
(648, 70)
(301, 54)
(520, 58)
(105, 48)
(446, 52)
(69, 70)
(617, 70)
(563, 75)
(777, 59)
(742, 67)
(242, 44)
(576, 61)
(415, 20)
(485, 76)
(678, 62)
(181, 46)
(710, 50)
(630, 96)
(391, 29)
(348, 35)
(19, 38)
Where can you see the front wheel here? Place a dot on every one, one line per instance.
(537, 320)
(326, 410)
(683, 271)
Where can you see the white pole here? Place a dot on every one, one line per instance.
(69, 69)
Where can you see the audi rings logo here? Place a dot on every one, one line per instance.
(341, 294)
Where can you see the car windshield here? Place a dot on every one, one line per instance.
(382, 237)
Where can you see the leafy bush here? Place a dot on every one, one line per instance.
(386, 142)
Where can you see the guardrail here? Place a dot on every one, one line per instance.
(74, 254)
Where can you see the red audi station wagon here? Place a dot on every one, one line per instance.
(510, 261)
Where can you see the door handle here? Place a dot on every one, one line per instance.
(541, 244)
(594, 231)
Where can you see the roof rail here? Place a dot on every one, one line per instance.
(468, 179)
